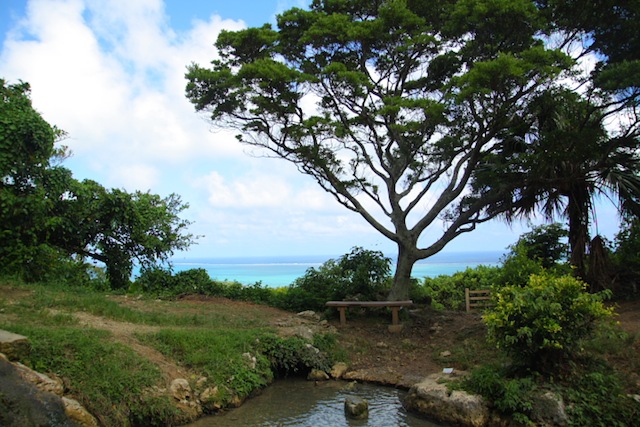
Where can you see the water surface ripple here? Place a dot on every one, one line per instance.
(300, 403)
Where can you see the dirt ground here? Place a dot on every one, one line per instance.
(422, 347)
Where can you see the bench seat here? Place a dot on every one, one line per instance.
(393, 305)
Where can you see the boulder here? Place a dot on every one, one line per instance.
(338, 370)
(317, 375)
(76, 412)
(14, 346)
(23, 404)
(549, 409)
(356, 408)
(41, 381)
(433, 399)
(210, 399)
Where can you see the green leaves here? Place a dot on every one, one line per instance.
(541, 324)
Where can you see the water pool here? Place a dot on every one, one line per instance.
(301, 403)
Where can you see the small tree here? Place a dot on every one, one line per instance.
(119, 228)
(541, 324)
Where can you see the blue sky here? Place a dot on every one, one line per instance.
(111, 74)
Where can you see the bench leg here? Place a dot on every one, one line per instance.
(343, 315)
(394, 315)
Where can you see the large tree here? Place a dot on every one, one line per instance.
(30, 180)
(46, 216)
(389, 104)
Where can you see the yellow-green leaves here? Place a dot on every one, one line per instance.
(542, 323)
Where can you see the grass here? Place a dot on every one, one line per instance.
(108, 377)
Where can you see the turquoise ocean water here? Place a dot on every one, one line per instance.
(283, 270)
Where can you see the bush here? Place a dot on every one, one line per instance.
(539, 325)
(295, 355)
(596, 397)
(359, 275)
(510, 396)
(447, 292)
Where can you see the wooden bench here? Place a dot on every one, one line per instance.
(477, 299)
(393, 305)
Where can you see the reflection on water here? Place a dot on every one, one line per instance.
(300, 403)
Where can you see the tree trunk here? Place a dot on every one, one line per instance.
(402, 277)
(578, 214)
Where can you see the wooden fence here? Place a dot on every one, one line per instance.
(478, 299)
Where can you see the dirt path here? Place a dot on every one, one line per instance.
(123, 332)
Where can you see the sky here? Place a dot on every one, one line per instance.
(110, 73)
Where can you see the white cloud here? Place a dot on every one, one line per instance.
(266, 191)
(113, 78)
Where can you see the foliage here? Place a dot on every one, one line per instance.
(564, 160)
(120, 228)
(510, 396)
(30, 185)
(50, 222)
(217, 354)
(447, 292)
(408, 97)
(293, 355)
(359, 275)
(541, 324)
(626, 258)
(364, 273)
(543, 243)
(595, 397)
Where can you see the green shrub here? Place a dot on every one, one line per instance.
(447, 292)
(596, 397)
(510, 396)
(294, 355)
(542, 323)
(155, 280)
(359, 275)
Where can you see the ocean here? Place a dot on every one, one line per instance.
(284, 270)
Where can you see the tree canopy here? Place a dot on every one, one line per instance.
(47, 217)
(390, 106)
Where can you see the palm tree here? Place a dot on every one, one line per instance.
(560, 162)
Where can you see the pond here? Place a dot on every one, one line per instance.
(301, 403)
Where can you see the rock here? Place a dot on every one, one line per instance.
(350, 386)
(445, 353)
(236, 401)
(180, 389)
(549, 409)
(14, 346)
(338, 370)
(77, 413)
(201, 382)
(310, 315)
(41, 381)
(433, 399)
(356, 408)
(23, 404)
(382, 344)
(249, 360)
(210, 399)
(317, 375)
